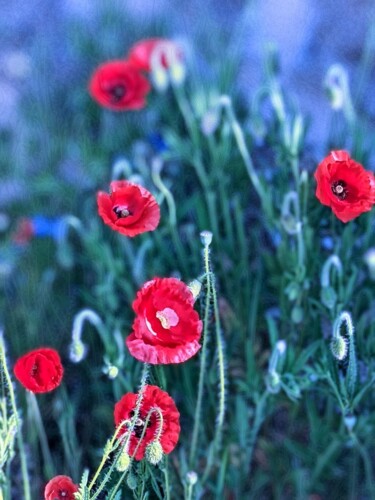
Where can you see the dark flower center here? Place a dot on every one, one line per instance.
(121, 212)
(117, 93)
(34, 369)
(339, 189)
(139, 425)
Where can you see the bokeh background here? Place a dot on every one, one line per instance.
(57, 147)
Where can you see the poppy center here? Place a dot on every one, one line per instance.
(121, 211)
(139, 425)
(34, 369)
(339, 189)
(63, 493)
(117, 92)
(167, 318)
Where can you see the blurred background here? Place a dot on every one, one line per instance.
(58, 147)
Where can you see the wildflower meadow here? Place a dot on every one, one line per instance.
(187, 264)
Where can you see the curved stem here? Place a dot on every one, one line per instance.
(332, 261)
(226, 102)
(127, 441)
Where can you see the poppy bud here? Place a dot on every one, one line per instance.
(154, 452)
(195, 287)
(77, 351)
(123, 462)
(339, 347)
(206, 238)
(192, 477)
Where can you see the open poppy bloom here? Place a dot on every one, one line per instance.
(141, 53)
(60, 488)
(153, 397)
(129, 208)
(39, 370)
(345, 186)
(167, 328)
(119, 85)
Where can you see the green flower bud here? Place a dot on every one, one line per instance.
(195, 287)
(273, 382)
(192, 477)
(339, 347)
(206, 238)
(297, 315)
(131, 480)
(123, 462)
(154, 452)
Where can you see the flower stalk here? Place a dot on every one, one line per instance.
(20, 443)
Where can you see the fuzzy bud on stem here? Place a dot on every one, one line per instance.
(290, 219)
(206, 238)
(154, 452)
(77, 348)
(328, 295)
(273, 377)
(352, 370)
(195, 286)
(123, 462)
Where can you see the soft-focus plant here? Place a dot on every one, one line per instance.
(219, 285)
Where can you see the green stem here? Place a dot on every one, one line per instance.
(367, 464)
(24, 471)
(47, 457)
(156, 168)
(226, 102)
(202, 369)
(166, 477)
(108, 450)
(221, 363)
(145, 427)
(125, 447)
(257, 423)
(189, 495)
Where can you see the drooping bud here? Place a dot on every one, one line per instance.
(195, 286)
(131, 480)
(111, 371)
(154, 452)
(290, 213)
(160, 78)
(273, 382)
(77, 351)
(123, 462)
(336, 86)
(339, 347)
(177, 72)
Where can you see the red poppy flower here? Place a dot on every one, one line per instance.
(119, 85)
(140, 54)
(167, 328)
(153, 397)
(129, 208)
(39, 370)
(60, 488)
(345, 186)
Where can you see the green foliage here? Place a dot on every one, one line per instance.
(273, 420)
